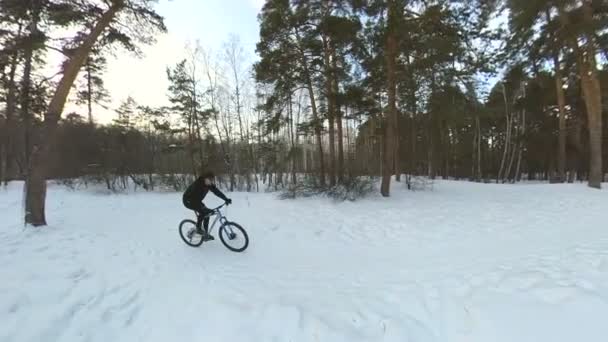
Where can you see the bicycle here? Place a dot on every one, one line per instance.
(228, 231)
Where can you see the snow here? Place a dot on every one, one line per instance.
(463, 262)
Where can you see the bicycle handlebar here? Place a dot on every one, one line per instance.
(214, 210)
(221, 206)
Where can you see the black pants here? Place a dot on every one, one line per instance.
(201, 211)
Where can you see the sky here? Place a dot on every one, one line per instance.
(209, 21)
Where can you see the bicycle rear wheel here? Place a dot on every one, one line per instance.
(234, 237)
(187, 230)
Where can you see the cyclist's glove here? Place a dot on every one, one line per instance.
(228, 201)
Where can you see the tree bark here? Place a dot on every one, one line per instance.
(593, 101)
(513, 152)
(507, 137)
(479, 175)
(521, 142)
(224, 146)
(391, 115)
(89, 91)
(414, 137)
(414, 107)
(26, 84)
(11, 100)
(337, 108)
(474, 154)
(35, 185)
(191, 144)
(431, 147)
(330, 111)
(587, 65)
(577, 142)
(291, 131)
(237, 93)
(561, 103)
(397, 150)
(196, 114)
(315, 113)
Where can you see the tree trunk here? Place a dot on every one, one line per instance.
(561, 103)
(35, 185)
(587, 66)
(593, 101)
(337, 110)
(444, 149)
(228, 158)
(26, 87)
(317, 124)
(292, 154)
(577, 141)
(507, 137)
(195, 116)
(474, 154)
(397, 150)
(330, 111)
(431, 148)
(391, 115)
(414, 139)
(89, 91)
(507, 175)
(521, 142)
(11, 100)
(237, 93)
(414, 131)
(224, 146)
(151, 162)
(315, 115)
(479, 175)
(191, 144)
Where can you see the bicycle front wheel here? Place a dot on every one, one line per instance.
(234, 237)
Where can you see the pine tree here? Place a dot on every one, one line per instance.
(93, 21)
(126, 113)
(290, 54)
(12, 18)
(580, 27)
(91, 89)
(185, 98)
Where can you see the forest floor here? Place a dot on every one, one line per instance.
(463, 262)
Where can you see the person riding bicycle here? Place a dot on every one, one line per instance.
(193, 199)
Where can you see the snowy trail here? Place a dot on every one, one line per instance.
(465, 262)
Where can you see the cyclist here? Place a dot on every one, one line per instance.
(193, 199)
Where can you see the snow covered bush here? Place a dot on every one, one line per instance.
(418, 183)
(175, 182)
(306, 188)
(351, 189)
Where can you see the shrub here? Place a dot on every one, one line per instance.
(351, 189)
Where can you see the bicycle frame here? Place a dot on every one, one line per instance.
(218, 217)
(228, 230)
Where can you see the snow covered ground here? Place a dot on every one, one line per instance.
(464, 262)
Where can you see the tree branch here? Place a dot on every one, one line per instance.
(58, 50)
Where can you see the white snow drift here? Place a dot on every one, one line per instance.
(464, 262)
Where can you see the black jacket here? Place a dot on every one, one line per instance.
(197, 191)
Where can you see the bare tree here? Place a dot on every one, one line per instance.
(234, 55)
